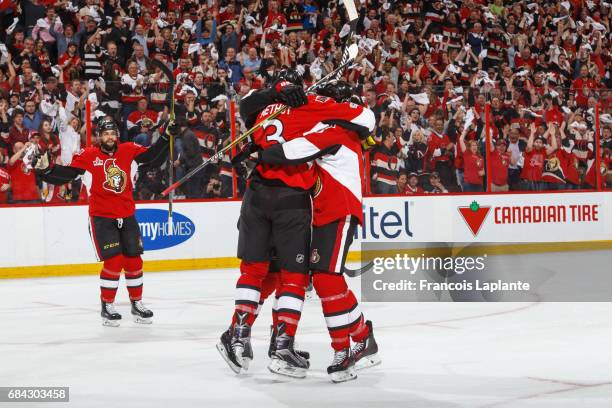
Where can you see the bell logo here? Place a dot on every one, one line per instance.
(474, 216)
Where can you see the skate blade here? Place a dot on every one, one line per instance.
(221, 350)
(245, 363)
(368, 362)
(344, 376)
(142, 320)
(110, 323)
(278, 366)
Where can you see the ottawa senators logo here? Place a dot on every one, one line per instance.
(553, 164)
(116, 179)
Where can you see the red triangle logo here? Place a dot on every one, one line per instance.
(474, 216)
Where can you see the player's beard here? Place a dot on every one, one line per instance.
(109, 146)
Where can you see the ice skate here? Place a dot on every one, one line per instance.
(343, 366)
(366, 352)
(110, 317)
(140, 313)
(272, 347)
(237, 351)
(286, 360)
(225, 349)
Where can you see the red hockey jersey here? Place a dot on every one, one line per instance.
(338, 157)
(294, 123)
(111, 185)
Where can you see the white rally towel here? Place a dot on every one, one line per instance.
(453, 69)
(421, 98)
(187, 88)
(10, 28)
(197, 48)
(43, 23)
(457, 99)
(219, 98)
(468, 119)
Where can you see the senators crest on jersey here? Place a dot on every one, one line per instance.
(116, 179)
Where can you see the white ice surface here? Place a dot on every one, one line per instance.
(440, 355)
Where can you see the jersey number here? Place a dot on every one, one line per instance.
(277, 135)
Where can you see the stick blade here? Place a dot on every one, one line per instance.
(353, 50)
(351, 9)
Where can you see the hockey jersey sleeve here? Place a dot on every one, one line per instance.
(59, 175)
(153, 155)
(296, 151)
(253, 103)
(346, 114)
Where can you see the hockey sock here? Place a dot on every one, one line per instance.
(132, 265)
(275, 309)
(109, 278)
(248, 289)
(291, 299)
(358, 329)
(268, 286)
(339, 305)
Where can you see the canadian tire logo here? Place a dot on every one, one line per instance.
(474, 216)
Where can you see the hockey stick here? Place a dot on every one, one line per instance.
(171, 118)
(353, 273)
(353, 16)
(219, 154)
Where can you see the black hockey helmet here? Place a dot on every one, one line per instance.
(107, 124)
(340, 91)
(289, 75)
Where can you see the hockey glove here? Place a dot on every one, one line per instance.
(245, 161)
(41, 162)
(290, 94)
(173, 130)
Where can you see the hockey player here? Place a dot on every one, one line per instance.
(275, 213)
(112, 225)
(336, 147)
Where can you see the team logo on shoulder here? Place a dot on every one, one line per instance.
(116, 179)
(317, 187)
(98, 162)
(315, 257)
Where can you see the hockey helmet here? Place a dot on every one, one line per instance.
(289, 75)
(107, 124)
(338, 90)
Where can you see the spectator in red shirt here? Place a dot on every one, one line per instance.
(583, 87)
(18, 132)
(500, 162)
(24, 188)
(473, 164)
(141, 122)
(5, 185)
(412, 186)
(439, 151)
(535, 155)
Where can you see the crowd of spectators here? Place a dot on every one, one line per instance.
(428, 70)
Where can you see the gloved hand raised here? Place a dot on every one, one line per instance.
(289, 94)
(173, 130)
